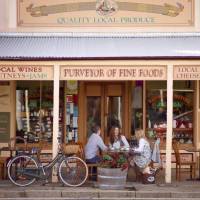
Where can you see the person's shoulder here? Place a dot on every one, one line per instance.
(94, 135)
(143, 140)
(123, 136)
(97, 136)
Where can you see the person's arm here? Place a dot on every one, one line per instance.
(101, 144)
(125, 142)
(140, 148)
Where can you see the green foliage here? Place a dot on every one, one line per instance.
(114, 160)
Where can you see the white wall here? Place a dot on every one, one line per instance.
(3, 19)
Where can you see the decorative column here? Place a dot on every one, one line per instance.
(56, 85)
(169, 123)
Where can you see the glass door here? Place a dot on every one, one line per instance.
(104, 107)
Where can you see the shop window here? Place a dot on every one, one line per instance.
(34, 110)
(137, 106)
(183, 95)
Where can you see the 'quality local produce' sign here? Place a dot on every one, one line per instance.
(124, 72)
(26, 72)
(105, 13)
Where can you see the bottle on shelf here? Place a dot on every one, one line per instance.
(149, 124)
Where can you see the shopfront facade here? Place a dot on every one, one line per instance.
(46, 95)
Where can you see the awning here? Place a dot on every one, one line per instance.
(63, 46)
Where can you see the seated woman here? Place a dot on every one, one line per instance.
(116, 139)
(143, 158)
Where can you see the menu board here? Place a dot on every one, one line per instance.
(4, 126)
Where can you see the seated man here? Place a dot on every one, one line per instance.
(93, 145)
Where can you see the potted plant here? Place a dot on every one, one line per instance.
(112, 171)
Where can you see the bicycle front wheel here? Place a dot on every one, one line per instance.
(73, 171)
(21, 170)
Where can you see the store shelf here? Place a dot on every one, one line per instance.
(174, 129)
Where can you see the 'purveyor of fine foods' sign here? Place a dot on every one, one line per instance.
(26, 72)
(186, 72)
(113, 72)
(105, 13)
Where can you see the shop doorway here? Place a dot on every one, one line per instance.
(104, 106)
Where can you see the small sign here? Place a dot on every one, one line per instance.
(187, 72)
(81, 72)
(26, 72)
(105, 13)
(4, 126)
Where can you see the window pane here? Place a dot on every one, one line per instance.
(114, 109)
(137, 107)
(93, 113)
(183, 96)
(34, 110)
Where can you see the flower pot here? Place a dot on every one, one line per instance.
(111, 178)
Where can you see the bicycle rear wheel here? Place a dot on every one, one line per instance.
(21, 170)
(73, 171)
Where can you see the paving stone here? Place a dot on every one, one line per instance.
(81, 194)
(11, 194)
(186, 195)
(153, 194)
(43, 193)
(114, 194)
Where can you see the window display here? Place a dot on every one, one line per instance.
(182, 113)
(34, 110)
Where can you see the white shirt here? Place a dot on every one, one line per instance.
(94, 143)
(140, 147)
(117, 144)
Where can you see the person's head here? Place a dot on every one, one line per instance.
(139, 133)
(96, 129)
(115, 134)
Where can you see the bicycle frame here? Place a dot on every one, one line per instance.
(42, 169)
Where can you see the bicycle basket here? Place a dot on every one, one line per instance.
(73, 149)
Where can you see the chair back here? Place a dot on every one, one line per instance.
(175, 146)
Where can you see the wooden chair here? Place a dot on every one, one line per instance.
(180, 163)
(92, 170)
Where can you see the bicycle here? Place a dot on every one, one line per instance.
(25, 169)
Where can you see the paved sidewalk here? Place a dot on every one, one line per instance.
(183, 190)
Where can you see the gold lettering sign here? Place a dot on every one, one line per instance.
(19, 72)
(185, 72)
(113, 73)
(105, 13)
